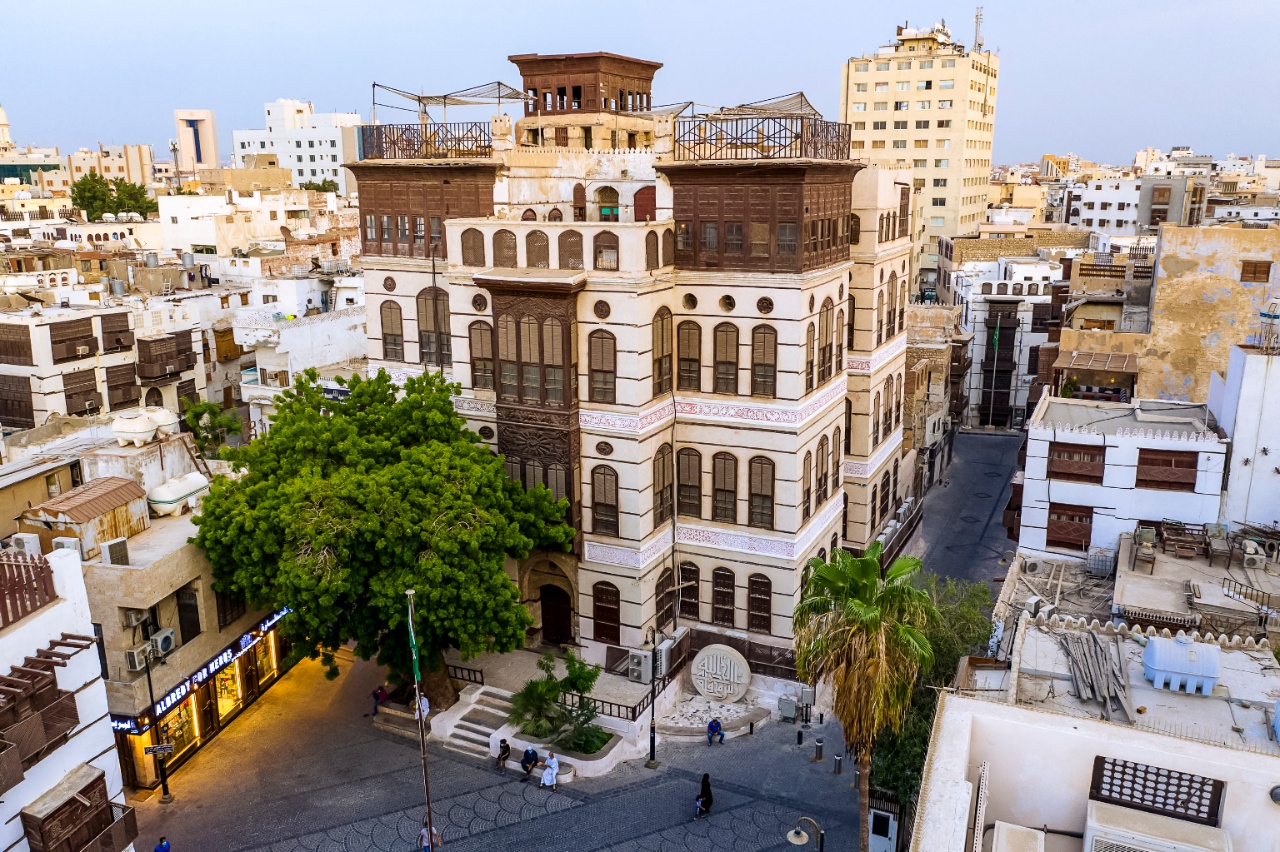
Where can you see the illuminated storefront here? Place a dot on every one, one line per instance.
(195, 710)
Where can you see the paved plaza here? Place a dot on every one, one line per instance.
(961, 532)
(304, 769)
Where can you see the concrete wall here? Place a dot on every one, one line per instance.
(1245, 406)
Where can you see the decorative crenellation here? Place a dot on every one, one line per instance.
(1168, 435)
(1230, 643)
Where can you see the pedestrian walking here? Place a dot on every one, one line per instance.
(429, 839)
(163, 845)
(715, 729)
(379, 698)
(529, 761)
(504, 754)
(549, 774)
(702, 804)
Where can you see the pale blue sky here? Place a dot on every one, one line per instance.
(1101, 78)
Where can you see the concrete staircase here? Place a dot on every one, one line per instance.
(470, 734)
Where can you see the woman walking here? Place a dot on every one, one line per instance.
(705, 799)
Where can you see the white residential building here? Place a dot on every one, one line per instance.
(1095, 470)
(59, 772)
(1108, 205)
(1245, 404)
(311, 145)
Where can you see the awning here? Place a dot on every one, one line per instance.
(795, 104)
(1105, 362)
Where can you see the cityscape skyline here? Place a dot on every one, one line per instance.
(249, 69)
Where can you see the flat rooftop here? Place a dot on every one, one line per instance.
(164, 537)
(1110, 417)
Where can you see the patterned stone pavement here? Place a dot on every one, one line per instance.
(303, 771)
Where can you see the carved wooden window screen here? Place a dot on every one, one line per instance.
(570, 250)
(472, 248)
(537, 250)
(504, 249)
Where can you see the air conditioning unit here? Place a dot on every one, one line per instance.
(663, 664)
(1255, 560)
(1016, 838)
(640, 666)
(66, 543)
(1118, 829)
(28, 544)
(115, 552)
(164, 641)
(135, 659)
(82, 350)
(132, 617)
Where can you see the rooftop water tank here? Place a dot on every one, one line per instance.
(165, 420)
(169, 498)
(133, 427)
(1181, 665)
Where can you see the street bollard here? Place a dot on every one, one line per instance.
(751, 729)
(799, 737)
(817, 750)
(820, 717)
(839, 767)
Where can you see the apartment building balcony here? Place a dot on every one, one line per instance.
(761, 137)
(51, 715)
(451, 141)
(961, 361)
(167, 370)
(117, 836)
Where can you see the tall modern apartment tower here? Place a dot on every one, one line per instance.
(927, 103)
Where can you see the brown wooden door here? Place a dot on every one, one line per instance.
(206, 710)
(557, 616)
(646, 204)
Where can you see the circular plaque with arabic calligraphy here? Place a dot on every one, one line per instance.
(720, 673)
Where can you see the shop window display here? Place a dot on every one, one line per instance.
(178, 727)
(226, 684)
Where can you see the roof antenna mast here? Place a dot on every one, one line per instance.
(977, 31)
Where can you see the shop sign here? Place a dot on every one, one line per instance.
(163, 748)
(125, 724)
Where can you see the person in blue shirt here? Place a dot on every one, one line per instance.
(163, 845)
(713, 730)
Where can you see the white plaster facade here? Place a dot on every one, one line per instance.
(1245, 405)
(312, 145)
(1108, 205)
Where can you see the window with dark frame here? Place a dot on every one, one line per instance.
(1255, 271)
(825, 340)
(823, 475)
(1167, 470)
(764, 361)
(759, 604)
(688, 592)
(435, 344)
(726, 359)
(761, 484)
(662, 486)
(689, 483)
(661, 340)
(808, 359)
(689, 353)
(724, 490)
(722, 597)
(604, 501)
(392, 331)
(603, 350)
(606, 612)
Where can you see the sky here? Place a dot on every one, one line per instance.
(1099, 78)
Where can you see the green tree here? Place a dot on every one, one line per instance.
(862, 633)
(133, 198)
(92, 194)
(326, 185)
(210, 425)
(536, 707)
(344, 504)
(961, 626)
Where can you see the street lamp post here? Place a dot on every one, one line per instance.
(651, 645)
(165, 797)
(798, 837)
(422, 718)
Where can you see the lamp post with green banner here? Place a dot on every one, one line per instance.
(995, 345)
(421, 717)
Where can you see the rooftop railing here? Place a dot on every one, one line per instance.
(761, 138)
(455, 140)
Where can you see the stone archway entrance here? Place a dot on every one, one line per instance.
(557, 616)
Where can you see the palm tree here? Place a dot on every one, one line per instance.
(860, 630)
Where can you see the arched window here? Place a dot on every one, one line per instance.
(880, 231)
(808, 359)
(688, 591)
(606, 613)
(537, 249)
(668, 247)
(895, 480)
(849, 328)
(837, 476)
(726, 358)
(579, 203)
(508, 368)
(839, 366)
(392, 332)
(666, 597)
(835, 546)
(528, 215)
(645, 204)
(902, 306)
(764, 361)
(761, 509)
(662, 497)
(530, 362)
(553, 361)
(824, 473)
(606, 251)
(822, 554)
(570, 250)
(532, 474)
(604, 365)
(504, 249)
(557, 481)
(875, 420)
(826, 341)
(880, 318)
(662, 352)
(651, 260)
(433, 327)
(884, 496)
(806, 487)
(554, 215)
(722, 595)
(891, 321)
(872, 506)
(759, 604)
(512, 466)
(888, 407)
(481, 334)
(897, 405)
(689, 353)
(689, 483)
(724, 488)
(607, 203)
(604, 501)
(855, 228)
(472, 247)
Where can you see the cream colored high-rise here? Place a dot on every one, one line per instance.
(927, 103)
